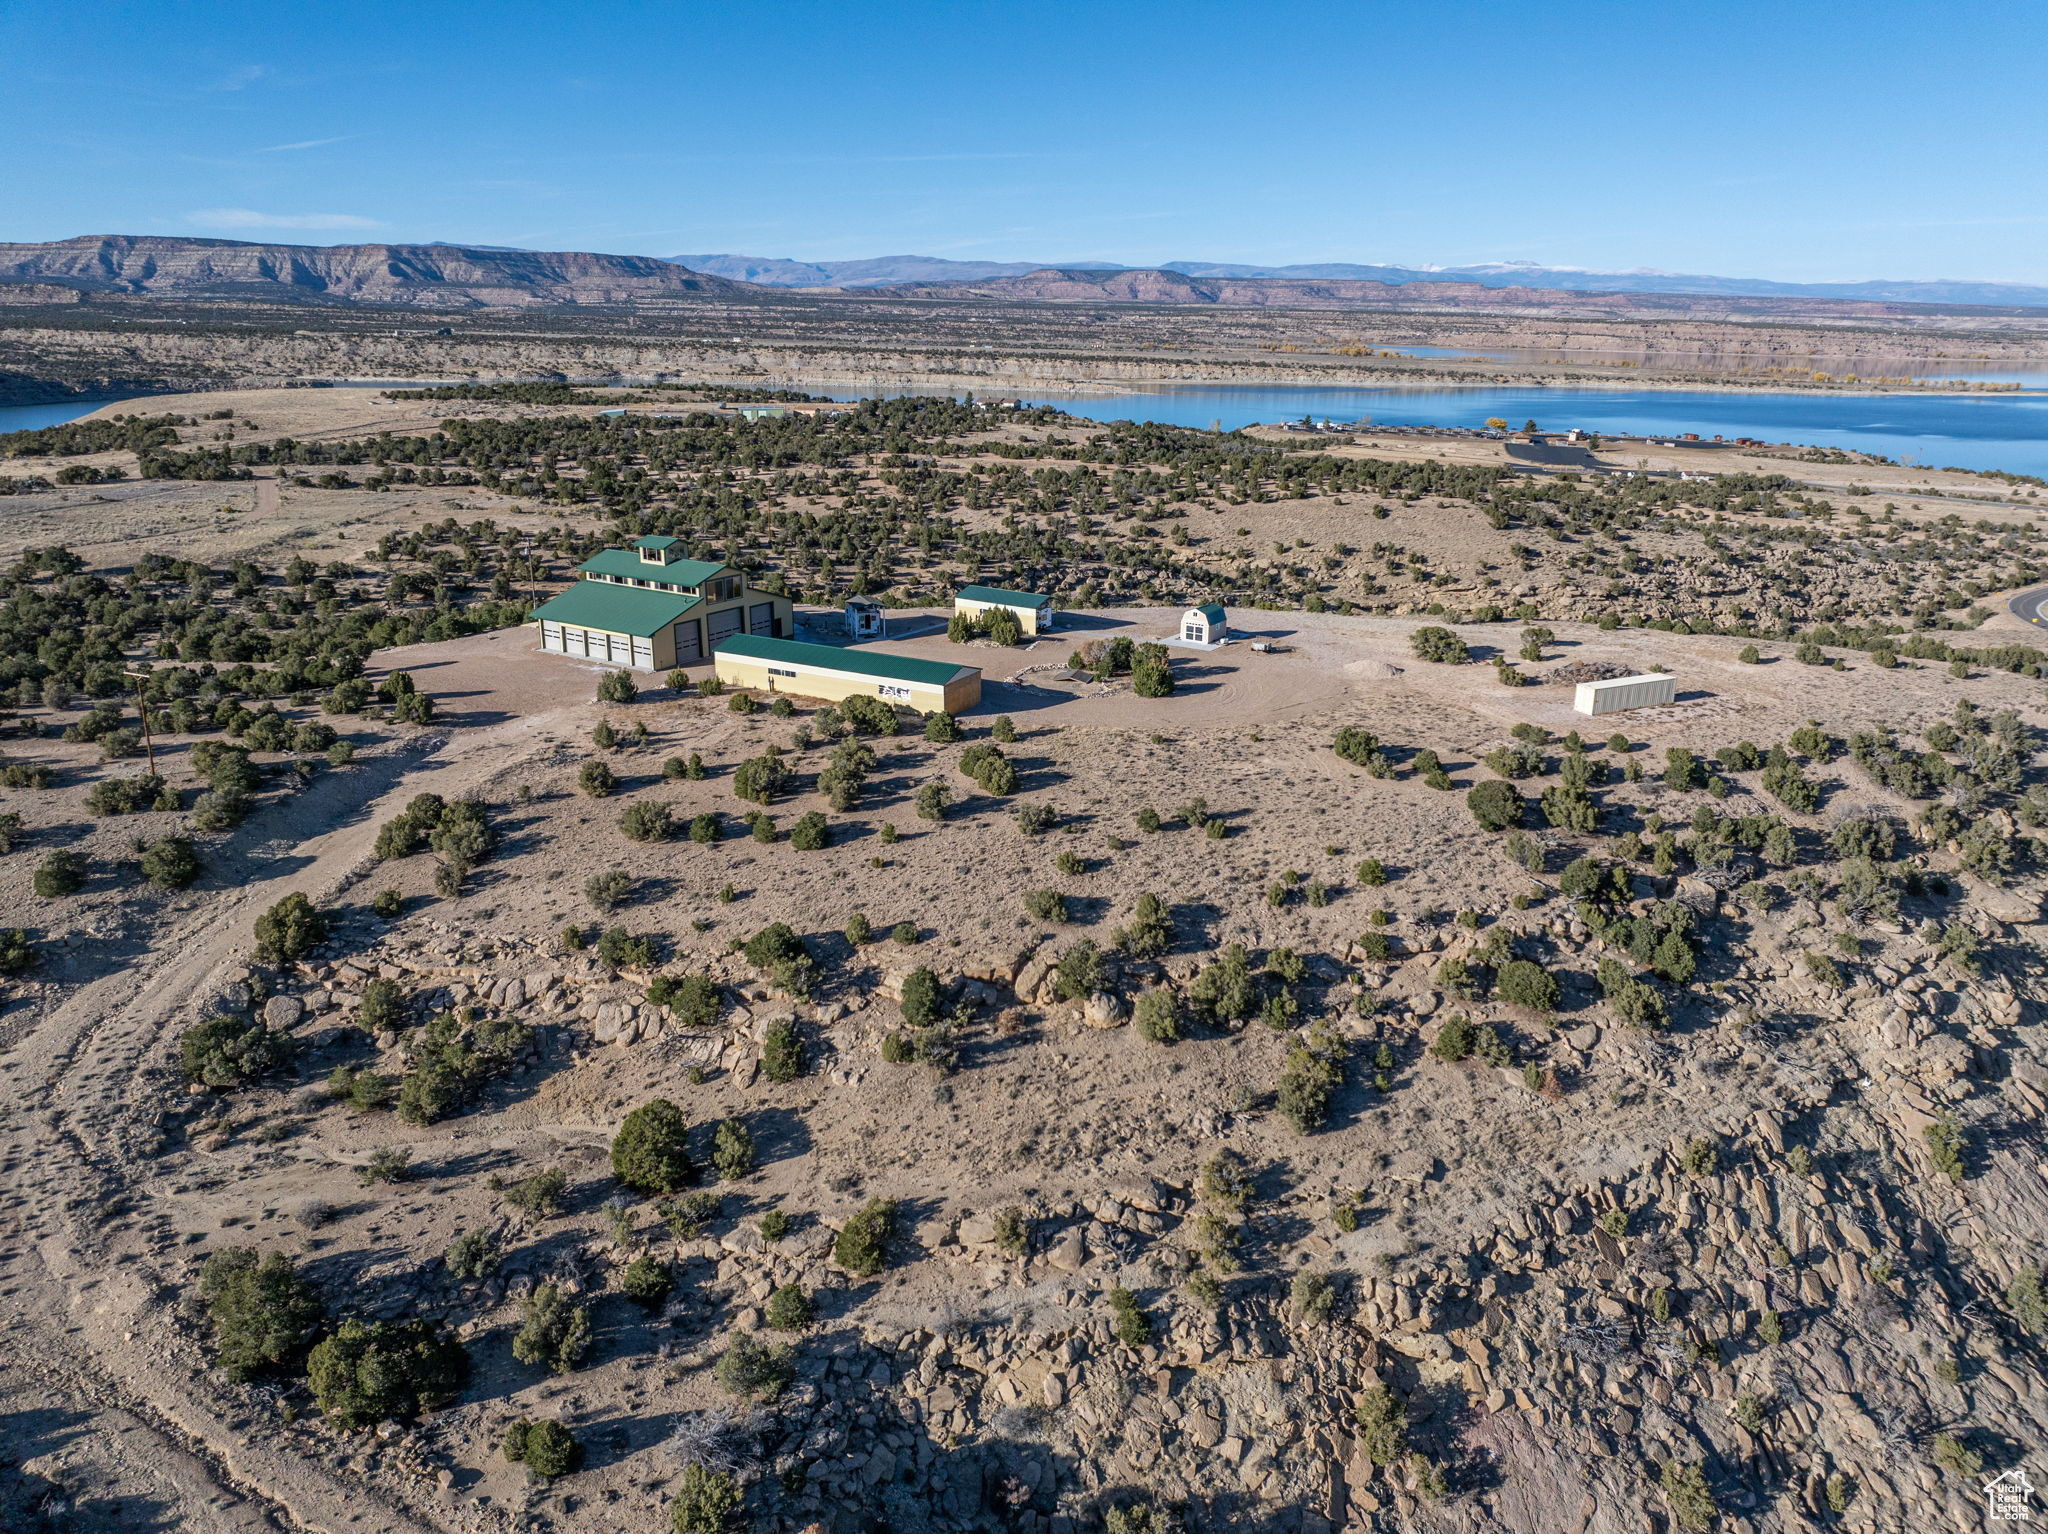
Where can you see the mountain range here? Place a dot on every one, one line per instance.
(453, 276)
(441, 276)
(887, 271)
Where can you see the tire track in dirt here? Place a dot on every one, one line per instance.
(74, 1139)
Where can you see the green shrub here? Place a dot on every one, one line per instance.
(1454, 1039)
(782, 1051)
(555, 1332)
(289, 930)
(650, 1153)
(693, 1000)
(732, 1150)
(1157, 1016)
(60, 874)
(789, 1309)
(1524, 983)
(597, 780)
(1495, 804)
(170, 863)
(546, 1448)
(1312, 1297)
(1686, 1492)
(705, 1502)
(922, 998)
(647, 821)
(754, 1371)
(759, 779)
(861, 1247)
(616, 687)
(606, 891)
(2027, 1298)
(1944, 1139)
(1045, 905)
(1081, 972)
(810, 832)
(372, 1370)
(17, 953)
(1382, 1423)
(224, 1051)
(1314, 1066)
(473, 1256)
(647, 1281)
(1437, 643)
(1132, 1327)
(263, 1315)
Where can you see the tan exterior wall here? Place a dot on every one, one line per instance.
(746, 671)
(1027, 617)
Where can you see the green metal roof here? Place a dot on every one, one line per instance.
(679, 572)
(616, 609)
(1213, 611)
(656, 541)
(892, 668)
(1003, 597)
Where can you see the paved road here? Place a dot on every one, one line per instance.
(2030, 605)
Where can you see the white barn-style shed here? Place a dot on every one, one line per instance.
(1206, 624)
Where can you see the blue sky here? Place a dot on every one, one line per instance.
(1798, 140)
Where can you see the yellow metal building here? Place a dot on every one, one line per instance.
(829, 673)
(1032, 611)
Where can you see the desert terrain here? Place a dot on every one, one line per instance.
(1500, 1118)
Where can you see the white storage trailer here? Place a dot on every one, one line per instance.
(1625, 692)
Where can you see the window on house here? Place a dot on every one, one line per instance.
(779, 671)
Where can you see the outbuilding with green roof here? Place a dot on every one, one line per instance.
(831, 673)
(651, 608)
(1032, 610)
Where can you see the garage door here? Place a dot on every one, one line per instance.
(761, 619)
(643, 654)
(689, 642)
(723, 625)
(551, 637)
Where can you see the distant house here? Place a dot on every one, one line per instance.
(864, 619)
(827, 672)
(1033, 612)
(1205, 624)
(648, 608)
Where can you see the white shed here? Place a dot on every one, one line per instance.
(1625, 692)
(1205, 624)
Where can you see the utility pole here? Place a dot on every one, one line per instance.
(142, 708)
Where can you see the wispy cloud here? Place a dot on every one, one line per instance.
(249, 218)
(306, 143)
(241, 78)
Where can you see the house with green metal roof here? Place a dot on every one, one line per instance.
(1032, 610)
(831, 673)
(651, 608)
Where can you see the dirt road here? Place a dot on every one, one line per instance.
(92, 1376)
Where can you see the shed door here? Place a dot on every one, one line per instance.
(643, 653)
(551, 636)
(761, 619)
(689, 641)
(723, 625)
